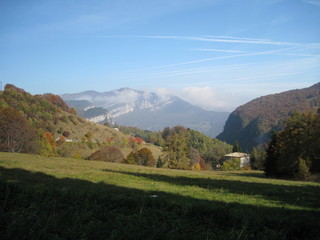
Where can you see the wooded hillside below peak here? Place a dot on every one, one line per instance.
(252, 123)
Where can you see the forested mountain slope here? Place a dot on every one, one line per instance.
(252, 124)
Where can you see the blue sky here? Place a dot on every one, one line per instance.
(217, 54)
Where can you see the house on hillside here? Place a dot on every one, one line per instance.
(244, 158)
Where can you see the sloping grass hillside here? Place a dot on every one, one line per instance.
(79, 127)
(61, 198)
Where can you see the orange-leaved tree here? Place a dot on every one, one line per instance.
(16, 134)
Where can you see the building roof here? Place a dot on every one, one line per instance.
(237, 154)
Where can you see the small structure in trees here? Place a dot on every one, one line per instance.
(243, 157)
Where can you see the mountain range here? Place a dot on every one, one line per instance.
(145, 110)
(253, 123)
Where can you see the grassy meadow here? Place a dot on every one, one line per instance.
(64, 198)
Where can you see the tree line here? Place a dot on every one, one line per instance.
(183, 148)
(294, 152)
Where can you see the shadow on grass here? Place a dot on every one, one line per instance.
(304, 196)
(247, 174)
(39, 206)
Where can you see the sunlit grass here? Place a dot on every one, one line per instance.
(242, 197)
(246, 187)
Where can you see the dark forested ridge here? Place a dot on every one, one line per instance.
(252, 123)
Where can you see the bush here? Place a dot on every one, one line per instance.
(142, 157)
(162, 162)
(108, 154)
(76, 156)
(231, 164)
(89, 135)
(204, 165)
(246, 168)
(66, 134)
(61, 140)
(303, 171)
(196, 166)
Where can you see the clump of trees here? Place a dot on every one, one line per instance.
(189, 149)
(231, 164)
(143, 157)
(294, 152)
(148, 136)
(16, 134)
(28, 122)
(108, 154)
(258, 158)
(184, 148)
(236, 147)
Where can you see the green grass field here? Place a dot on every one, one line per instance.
(61, 198)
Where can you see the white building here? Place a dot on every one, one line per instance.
(244, 158)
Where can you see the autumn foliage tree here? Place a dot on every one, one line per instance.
(108, 154)
(16, 134)
(197, 163)
(57, 101)
(142, 157)
(48, 145)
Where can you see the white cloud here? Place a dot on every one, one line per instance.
(165, 93)
(207, 98)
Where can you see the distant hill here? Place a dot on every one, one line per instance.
(146, 110)
(252, 123)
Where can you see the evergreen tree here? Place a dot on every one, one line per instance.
(272, 156)
(177, 148)
(258, 158)
(295, 150)
(236, 147)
